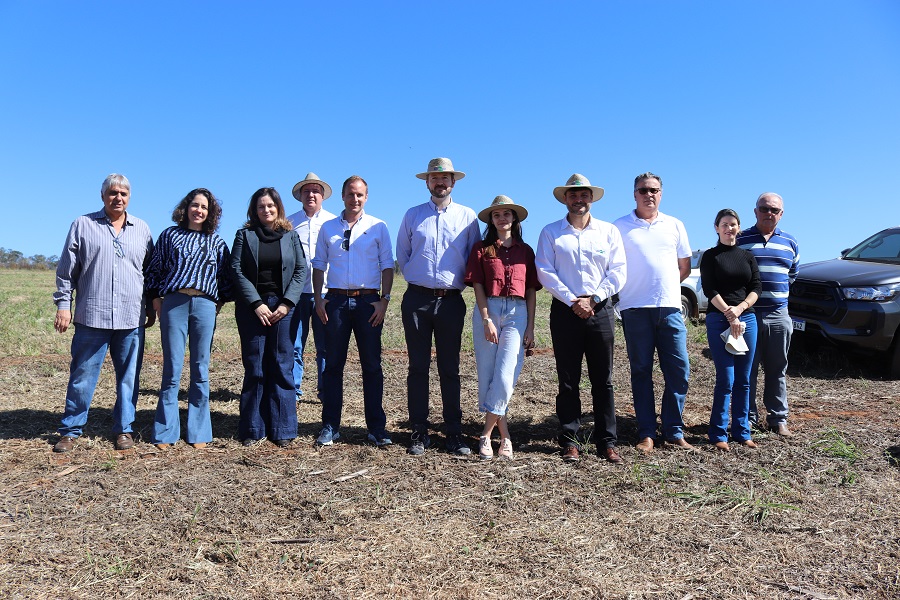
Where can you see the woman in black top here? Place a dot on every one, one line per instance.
(730, 279)
(269, 270)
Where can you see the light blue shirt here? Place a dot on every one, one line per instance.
(433, 246)
(308, 230)
(103, 273)
(572, 263)
(368, 254)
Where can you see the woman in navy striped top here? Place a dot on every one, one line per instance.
(188, 281)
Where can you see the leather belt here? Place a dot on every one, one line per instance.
(438, 292)
(189, 292)
(352, 293)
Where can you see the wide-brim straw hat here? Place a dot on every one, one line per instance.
(577, 180)
(503, 202)
(311, 178)
(441, 165)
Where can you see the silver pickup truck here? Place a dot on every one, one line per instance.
(693, 300)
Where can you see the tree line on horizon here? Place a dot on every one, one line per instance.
(13, 259)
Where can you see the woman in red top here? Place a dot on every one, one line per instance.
(501, 269)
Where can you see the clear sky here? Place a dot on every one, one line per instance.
(724, 100)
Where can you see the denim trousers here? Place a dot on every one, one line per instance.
(732, 379)
(348, 315)
(185, 320)
(89, 346)
(268, 395)
(574, 340)
(775, 331)
(499, 364)
(425, 316)
(307, 319)
(663, 330)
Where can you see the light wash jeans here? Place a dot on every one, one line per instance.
(499, 364)
(185, 320)
(308, 321)
(662, 330)
(732, 379)
(89, 346)
(775, 330)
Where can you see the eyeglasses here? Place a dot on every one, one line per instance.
(346, 243)
(120, 249)
(769, 209)
(643, 191)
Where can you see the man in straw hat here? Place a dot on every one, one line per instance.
(311, 193)
(433, 245)
(581, 262)
(659, 259)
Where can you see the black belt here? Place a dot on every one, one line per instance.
(439, 292)
(352, 293)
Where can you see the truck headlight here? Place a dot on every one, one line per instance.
(874, 293)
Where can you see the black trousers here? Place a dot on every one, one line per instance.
(425, 316)
(574, 339)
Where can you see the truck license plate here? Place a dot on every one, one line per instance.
(799, 324)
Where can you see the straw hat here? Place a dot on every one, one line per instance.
(577, 181)
(503, 202)
(311, 178)
(441, 165)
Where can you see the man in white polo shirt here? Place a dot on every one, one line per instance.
(659, 259)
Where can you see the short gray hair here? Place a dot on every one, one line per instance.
(768, 194)
(114, 179)
(647, 175)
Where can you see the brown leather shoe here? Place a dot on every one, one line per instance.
(723, 446)
(645, 445)
(163, 446)
(124, 441)
(65, 444)
(782, 430)
(199, 445)
(570, 454)
(749, 444)
(613, 456)
(680, 443)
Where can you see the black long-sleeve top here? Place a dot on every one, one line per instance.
(730, 272)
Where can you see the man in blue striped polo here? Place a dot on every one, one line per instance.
(101, 269)
(778, 257)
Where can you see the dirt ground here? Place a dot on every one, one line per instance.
(813, 516)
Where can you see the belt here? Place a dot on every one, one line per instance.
(352, 293)
(439, 292)
(189, 292)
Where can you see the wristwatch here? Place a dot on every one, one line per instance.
(386, 297)
(596, 299)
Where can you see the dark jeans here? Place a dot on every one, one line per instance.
(575, 338)
(423, 316)
(347, 315)
(268, 404)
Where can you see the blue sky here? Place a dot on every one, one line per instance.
(724, 100)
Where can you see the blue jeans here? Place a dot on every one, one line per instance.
(308, 319)
(499, 364)
(425, 316)
(775, 330)
(89, 346)
(346, 315)
(268, 396)
(185, 318)
(732, 379)
(663, 330)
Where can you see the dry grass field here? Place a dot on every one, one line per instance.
(814, 516)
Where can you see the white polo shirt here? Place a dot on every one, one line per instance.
(652, 251)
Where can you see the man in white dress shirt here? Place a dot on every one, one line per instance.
(581, 262)
(355, 249)
(311, 193)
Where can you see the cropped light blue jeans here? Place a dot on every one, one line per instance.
(499, 364)
(185, 320)
(732, 380)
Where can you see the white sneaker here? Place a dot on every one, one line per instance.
(485, 451)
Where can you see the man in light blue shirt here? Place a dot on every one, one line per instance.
(433, 246)
(355, 250)
(101, 269)
(311, 193)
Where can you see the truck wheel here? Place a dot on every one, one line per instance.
(687, 309)
(893, 366)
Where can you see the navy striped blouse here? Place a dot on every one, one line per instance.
(184, 258)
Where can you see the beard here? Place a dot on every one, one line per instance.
(441, 191)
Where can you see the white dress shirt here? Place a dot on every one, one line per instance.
(572, 263)
(368, 254)
(308, 230)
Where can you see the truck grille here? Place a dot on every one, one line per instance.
(815, 300)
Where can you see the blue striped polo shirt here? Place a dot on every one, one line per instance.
(779, 263)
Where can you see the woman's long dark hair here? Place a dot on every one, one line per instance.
(491, 236)
(281, 222)
(211, 224)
